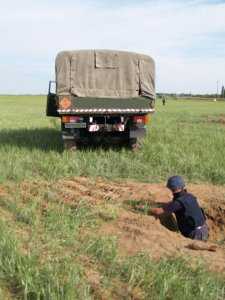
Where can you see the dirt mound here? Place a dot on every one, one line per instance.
(2, 191)
(216, 119)
(116, 204)
(127, 192)
(137, 231)
(96, 191)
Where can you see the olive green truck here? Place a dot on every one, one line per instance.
(102, 95)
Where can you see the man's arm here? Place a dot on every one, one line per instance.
(168, 208)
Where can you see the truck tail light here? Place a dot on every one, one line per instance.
(71, 119)
(141, 119)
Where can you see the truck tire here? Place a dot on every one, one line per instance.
(70, 145)
(134, 144)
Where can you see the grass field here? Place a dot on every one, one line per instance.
(52, 250)
(185, 137)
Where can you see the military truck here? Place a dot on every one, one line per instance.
(102, 95)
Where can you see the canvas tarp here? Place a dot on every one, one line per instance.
(105, 73)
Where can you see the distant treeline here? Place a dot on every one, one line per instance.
(184, 95)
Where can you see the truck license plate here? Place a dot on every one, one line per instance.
(75, 125)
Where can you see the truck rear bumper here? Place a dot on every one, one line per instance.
(79, 134)
(106, 111)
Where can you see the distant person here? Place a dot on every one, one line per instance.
(190, 217)
(163, 100)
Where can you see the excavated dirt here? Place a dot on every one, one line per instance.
(218, 120)
(2, 191)
(137, 231)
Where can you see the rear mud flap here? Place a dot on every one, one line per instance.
(71, 135)
(137, 133)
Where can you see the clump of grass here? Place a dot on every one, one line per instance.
(63, 218)
(65, 223)
(140, 205)
(107, 212)
(102, 248)
(8, 204)
(25, 213)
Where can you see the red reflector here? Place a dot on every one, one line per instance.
(65, 119)
(71, 119)
(140, 119)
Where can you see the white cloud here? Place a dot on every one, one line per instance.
(178, 34)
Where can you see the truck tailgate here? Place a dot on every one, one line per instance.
(78, 105)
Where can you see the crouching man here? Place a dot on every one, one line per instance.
(190, 217)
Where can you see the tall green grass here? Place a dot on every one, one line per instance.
(47, 247)
(180, 140)
(26, 278)
(170, 278)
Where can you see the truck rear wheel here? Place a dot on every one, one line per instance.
(70, 145)
(134, 144)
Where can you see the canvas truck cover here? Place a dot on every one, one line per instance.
(105, 74)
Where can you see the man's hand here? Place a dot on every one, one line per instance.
(142, 207)
(156, 211)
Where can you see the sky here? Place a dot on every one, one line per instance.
(185, 38)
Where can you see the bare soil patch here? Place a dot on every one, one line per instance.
(211, 198)
(135, 230)
(216, 119)
(3, 191)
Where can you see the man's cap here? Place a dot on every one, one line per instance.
(175, 182)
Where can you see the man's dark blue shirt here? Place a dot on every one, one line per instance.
(188, 213)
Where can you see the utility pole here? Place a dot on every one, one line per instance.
(222, 92)
(217, 88)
